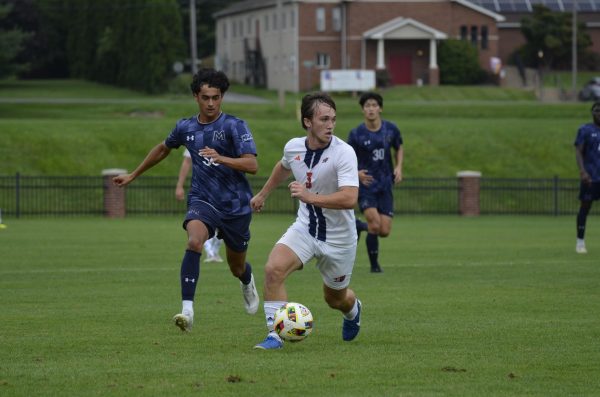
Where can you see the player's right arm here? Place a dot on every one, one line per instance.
(278, 175)
(186, 164)
(583, 175)
(155, 156)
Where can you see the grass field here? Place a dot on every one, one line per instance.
(500, 132)
(495, 306)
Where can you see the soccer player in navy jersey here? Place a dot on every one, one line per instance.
(587, 154)
(373, 141)
(211, 246)
(222, 150)
(325, 175)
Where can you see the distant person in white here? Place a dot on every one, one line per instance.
(211, 246)
(325, 174)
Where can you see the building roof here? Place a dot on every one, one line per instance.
(405, 28)
(251, 5)
(526, 6)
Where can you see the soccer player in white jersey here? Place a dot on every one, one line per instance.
(212, 245)
(325, 174)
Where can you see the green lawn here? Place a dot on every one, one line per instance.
(500, 132)
(496, 306)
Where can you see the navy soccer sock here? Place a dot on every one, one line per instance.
(361, 226)
(581, 219)
(190, 270)
(373, 249)
(246, 277)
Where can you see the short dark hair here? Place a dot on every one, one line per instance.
(212, 78)
(370, 95)
(595, 105)
(310, 103)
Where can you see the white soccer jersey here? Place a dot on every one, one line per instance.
(324, 171)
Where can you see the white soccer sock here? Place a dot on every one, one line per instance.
(217, 245)
(187, 307)
(270, 309)
(351, 315)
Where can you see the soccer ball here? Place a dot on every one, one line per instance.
(293, 322)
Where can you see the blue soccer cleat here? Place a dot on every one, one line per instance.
(351, 327)
(271, 342)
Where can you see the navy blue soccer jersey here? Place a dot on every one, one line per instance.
(373, 150)
(226, 189)
(588, 135)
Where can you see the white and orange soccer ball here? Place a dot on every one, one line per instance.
(293, 322)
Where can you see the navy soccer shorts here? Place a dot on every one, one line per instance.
(383, 200)
(235, 231)
(589, 192)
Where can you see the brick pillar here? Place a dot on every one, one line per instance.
(114, 196)
(434, 77)
(468, 192)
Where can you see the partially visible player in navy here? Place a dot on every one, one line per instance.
(222, 150)
(373, 141)
(587, 154)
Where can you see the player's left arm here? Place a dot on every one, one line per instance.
(347, 179)
(398, 167)
(345, 198)
(245, 163)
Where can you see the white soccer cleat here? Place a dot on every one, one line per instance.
(251, 299)
(184, 321)
(580, 248)
(209, 258)
(217, 258)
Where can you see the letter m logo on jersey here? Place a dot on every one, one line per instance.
(219, 135)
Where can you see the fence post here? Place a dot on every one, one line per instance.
(468, 192)
(114, 196)
(18, 194)
(555, 195)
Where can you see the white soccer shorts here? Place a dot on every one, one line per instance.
(334, 262)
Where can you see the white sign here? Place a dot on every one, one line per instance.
(347, 80)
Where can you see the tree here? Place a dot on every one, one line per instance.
(459, 63)
(11, 44)
(549, 39)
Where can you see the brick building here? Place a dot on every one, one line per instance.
(286, 43)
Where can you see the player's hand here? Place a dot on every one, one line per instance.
(122, 180)
(585, 177)
(364, 177)
(298, 190)
(179, 193)
(397, 175)
(257, 203)
(210, 153)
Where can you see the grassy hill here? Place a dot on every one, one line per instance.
(80, 128)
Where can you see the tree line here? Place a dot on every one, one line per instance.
(127, 43)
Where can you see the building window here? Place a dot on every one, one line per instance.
(224, 29)
(235, 25)
(283, 20)
(266, 23)
(336, 19)
(275, 27)
(293, 19)
(463, 32)
(474, 35)
(322, 60)
(249, 26)
(320, 19)
(484, 37)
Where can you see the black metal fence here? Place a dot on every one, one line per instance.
(30, 196)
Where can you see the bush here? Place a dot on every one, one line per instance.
(459, 63)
